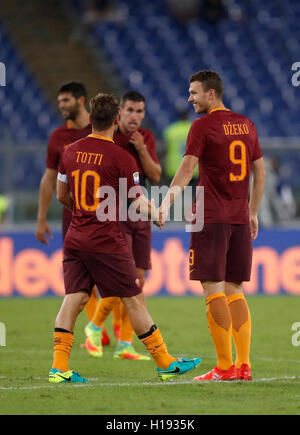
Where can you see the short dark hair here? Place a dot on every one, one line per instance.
(74, 88)
(133, 96)
(209, 80)
(104, 108)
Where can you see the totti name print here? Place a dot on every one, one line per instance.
(89, 158)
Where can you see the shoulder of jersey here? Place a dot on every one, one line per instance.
(59, 130)
(74, 144)
(201, 121)
(243, 117)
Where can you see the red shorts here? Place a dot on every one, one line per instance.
(139, 238)
(221, 252)
(113, 274)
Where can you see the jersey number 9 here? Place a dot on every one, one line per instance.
(242, 161)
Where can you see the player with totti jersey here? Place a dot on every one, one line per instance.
(71, 99)
(225, 146)
(95, 251)
(140, 144)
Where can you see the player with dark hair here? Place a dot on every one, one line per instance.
(225, 146)
(95, 251)
(140, 143)
(71, 98)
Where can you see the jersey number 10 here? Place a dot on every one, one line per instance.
(81, 202)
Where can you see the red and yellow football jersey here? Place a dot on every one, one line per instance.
(226, 144)
(124, 141)
(89, 164)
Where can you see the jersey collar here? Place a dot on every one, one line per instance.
(219, 108)
(98, 136)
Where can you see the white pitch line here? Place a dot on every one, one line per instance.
(204, 357)
(144, 384)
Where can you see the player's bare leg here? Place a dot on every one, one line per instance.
(241, 328)
(71, 307)
(220, 326)
(125, 349)
(65, 321)
(149, 334)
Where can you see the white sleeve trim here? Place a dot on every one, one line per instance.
(63, 178)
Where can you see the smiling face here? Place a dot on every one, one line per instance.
(132, 114)
(68, 105)
(200, 98)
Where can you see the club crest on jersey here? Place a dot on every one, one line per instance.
(136, 178)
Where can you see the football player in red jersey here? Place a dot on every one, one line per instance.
(71, 99)
(71, 103)
(140, 143)
(225, 146)
(95, 250)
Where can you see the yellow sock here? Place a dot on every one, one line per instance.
(92, 304)
(241, 328)
(63, 342)
(117, 317)
(103, 309)
(220, 326)
(126, 330)
(157, 348)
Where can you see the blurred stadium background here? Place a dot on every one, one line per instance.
(153, 47)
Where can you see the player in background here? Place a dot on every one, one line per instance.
(96, 252)
(225, 146)
(71, 100)
(140, 143)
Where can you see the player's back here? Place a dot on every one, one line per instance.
(89, 164)
(226, 144)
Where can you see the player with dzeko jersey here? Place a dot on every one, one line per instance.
(225, 146)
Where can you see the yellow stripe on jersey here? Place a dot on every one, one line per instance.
(98, 136)
(219, 108)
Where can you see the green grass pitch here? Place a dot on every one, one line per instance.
(132, 387)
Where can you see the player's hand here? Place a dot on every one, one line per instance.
(137, 139)
(42, 229)
(163, 214)
(254, 226)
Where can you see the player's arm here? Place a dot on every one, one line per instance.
(47, 188)
(63, 192)
(181, 179)
(147, 208)
(151, 169)
(256, 194)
